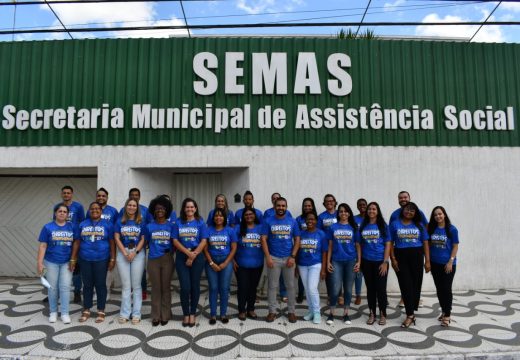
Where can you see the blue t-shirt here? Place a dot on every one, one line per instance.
(172, 218)
(441, 245)
(344, 239)
(159, 238)
(301, 223)
(95, 239)
(238, 216)
(397, 212)
(249, 248)
(219, 241)
(407, 236)
(272, 212)
(326, 219)
(190, 233)
(76, 213)
(230, 218)
(280, 234)
(145, 215)
(108, 213)
(129, 233)
(312, 246)
(59, 241)
(373, 242)
(358, 219)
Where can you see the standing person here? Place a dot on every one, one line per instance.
(410, 251)
(404, 198)
(271, 211)
(146, 217)
(343, 259)
(222, 204)
(129, 239)
(444, 244)
(219, 253)
(325, 220)
(361, 205)
(308, 206)
(190, 239)
(280, 243)
(54, 255)
(249, 263)
(312, 261)
(97, 256)
(159, 234)
(375, 252)
(76, 216)
(249, 201)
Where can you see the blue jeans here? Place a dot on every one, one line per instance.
(59, 276)
(310, 276)
(130, 273)
(189, 281)
(358, 283)
(94, 274)
(219, 285)
(343, 275)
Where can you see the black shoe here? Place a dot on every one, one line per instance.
(46, 300)
(155, 322)
(224, 319)
(164, 322)
(212, 321)
(299, 299)
(77, 298)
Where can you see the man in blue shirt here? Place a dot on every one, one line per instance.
(272, 211)
(280, 243)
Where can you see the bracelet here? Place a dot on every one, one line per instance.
(293, 256)
(72, 260)
(112, 260)
(211, 263)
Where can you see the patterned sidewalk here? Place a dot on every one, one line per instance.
(486, 324)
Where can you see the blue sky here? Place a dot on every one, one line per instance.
(262, 11)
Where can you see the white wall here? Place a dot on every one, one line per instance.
(477, 186)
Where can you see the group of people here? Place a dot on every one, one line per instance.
(335, 246)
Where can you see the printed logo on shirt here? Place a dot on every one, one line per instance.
(251, 240)
(329, 221)
(218, 242)
(161, 237)
(370, 236)
(106, 216)
(439, 241)
(408, 235)
(93, 233)
(70, 216)
(281, 231)
(309, 245)
(343, 236)
(130, 232)
(62, 238)
(188, 234)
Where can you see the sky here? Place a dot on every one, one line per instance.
(211, 12)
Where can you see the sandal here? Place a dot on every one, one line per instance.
(441, 316)
(100, 317)
(85, 315)
(408, 321)
(122, 320)
(135, 320)
(242, 316)
(252, 315)
(382, 320)
(371, 319)
(446, 320)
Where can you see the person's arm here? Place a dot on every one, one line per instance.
(214, 266)
(120, 246)
(296, 246)
(74, 255)
(112, 261)
(265, 249)
(449, 265)
(358, 260)
(231, 255)
(426, 248)
(324, 260)
(41, 254)
(383, 268)
(330, 268)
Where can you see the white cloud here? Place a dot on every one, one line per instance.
(255, 6)
(117, 14)
(486, 34)
(389, 6)
(510, 6)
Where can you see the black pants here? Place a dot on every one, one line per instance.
(376, 286)
(410, 276)
(247, 282)
(443, 283)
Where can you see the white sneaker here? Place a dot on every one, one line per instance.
(53, 317)
(65, 319)
(316, 318)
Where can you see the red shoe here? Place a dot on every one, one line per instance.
(145, 295)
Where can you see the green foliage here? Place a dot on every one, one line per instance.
(350, 34)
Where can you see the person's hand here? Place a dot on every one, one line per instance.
(72, 266)
(215, 267)
(111, 265)
(40, 268)
(323, 274)
(193, 254)
(131, 256)
(235, 266)
(427, 267)
(395, 265)
(448, 268)
(330, 267)
(269, 262)
(290, 262)
(189, 262)
(357, 266)
(383, 269)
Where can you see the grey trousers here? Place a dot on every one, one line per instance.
(273, 276)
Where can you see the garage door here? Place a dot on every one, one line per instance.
(25, 206)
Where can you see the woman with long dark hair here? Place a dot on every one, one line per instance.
(409, 252)
(222, 204)
(97, 256)
(54, 255)
(375, 252)
(159, 234)
(248, 263)
(129, 239)
(444, 244)
(190, 240)
(219, 253)
(343, 259)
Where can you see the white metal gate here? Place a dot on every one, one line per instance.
(202, 187)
